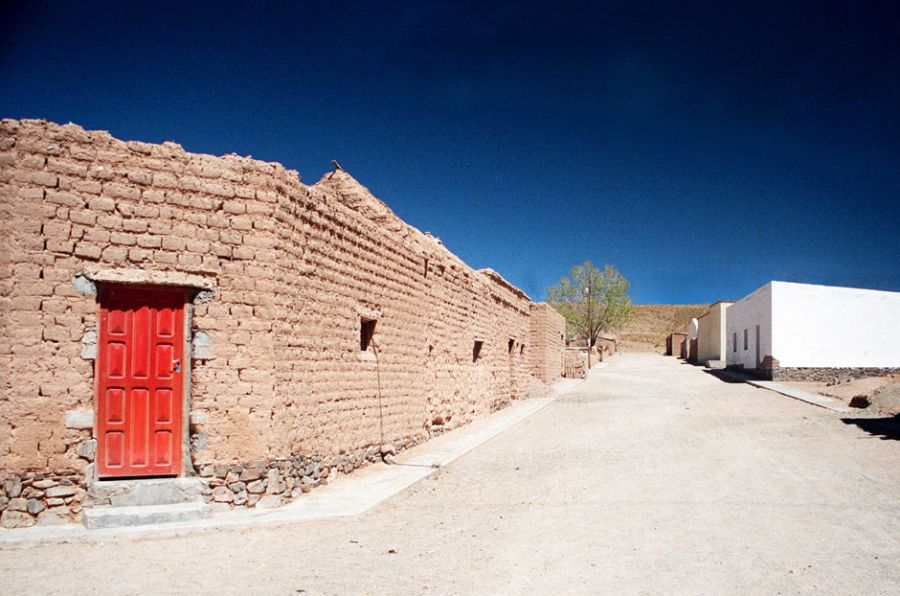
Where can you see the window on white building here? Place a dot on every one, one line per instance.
(745, 339)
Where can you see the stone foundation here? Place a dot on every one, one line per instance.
(826, 375)
(43, 498)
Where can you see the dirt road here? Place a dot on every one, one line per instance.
(652, 477)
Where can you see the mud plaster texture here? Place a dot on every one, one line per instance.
(282, 273)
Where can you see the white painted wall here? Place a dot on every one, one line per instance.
(711, 333)
(745, 315)
(828, 326)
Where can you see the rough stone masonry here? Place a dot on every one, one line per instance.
(279, 397)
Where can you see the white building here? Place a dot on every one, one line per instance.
(789, 330)
(712, 335)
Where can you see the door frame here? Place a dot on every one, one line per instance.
(184, 466)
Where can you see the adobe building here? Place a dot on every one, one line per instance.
(215, 321)
(791, 331)
(676, 345)
(712, 335)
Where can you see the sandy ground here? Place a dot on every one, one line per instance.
(652, 477)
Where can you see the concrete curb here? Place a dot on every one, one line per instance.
(810, 398)
(348, 496)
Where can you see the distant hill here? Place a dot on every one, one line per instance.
(652, 323)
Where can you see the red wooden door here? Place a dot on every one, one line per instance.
(139, 381)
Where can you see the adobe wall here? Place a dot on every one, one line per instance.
(280, 393)
(548, 341)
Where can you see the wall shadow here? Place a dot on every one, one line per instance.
(887, 429)
(726, 376)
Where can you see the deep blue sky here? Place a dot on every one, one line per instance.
(703, 148)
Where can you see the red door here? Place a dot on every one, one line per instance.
(139, 375)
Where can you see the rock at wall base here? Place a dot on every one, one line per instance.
(15, 519)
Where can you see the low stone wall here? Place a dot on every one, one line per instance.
(38, 497)
(826, 375)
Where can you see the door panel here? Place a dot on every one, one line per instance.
(139, 381)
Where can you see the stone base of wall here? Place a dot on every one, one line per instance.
(46, 499)
(276, 482)
(826, 375)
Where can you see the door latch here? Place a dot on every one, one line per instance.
(176, 365)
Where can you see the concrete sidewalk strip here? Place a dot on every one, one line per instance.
(810, 398)
(348, 496)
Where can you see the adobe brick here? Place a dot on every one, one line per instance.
(138, 255)
(110, 222)
(244, 253)
(195, 245)
(121, 191)
(64, 198)
(165, 258)
(33, 162)
(230, 237)
(57, 230)
(114, 254)
(159, 227)
(146, 241)
(165, 180)
(98, 235)
(69, 168)
(102, 204)
(83, 216)
(102, 173)
(234, 207)
(173, 243)
(82, 153)
(154, 196)
(87, 251)
(240, 222)
(122, 238)
(189, 260)
(91, 187)
(148, 211)
(32, 194)
(60, 246)
(134, 225)
(255, 208)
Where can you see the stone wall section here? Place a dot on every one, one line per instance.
(283, 273)
(548, 338)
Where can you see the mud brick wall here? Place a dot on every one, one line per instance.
(548, 333)
(287, 271)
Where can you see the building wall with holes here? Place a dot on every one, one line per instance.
(286, 272)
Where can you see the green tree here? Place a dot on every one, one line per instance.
(592, 301)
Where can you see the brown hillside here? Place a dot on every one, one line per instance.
(652, 323)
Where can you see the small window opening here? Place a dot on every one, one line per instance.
(745, 339)
(521, 349)
(476, 351)
(366, 333)
(512, 346)
(734, 342)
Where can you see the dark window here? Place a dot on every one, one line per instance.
(521, 349)
(512, 346)
(366, 333)
(734, 342)
(745, 339)
(476, 351)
